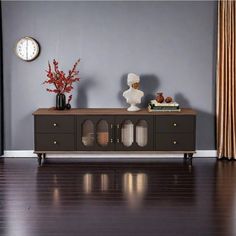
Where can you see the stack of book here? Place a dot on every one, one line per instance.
(156, 106)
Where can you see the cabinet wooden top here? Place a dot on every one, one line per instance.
(108, 111)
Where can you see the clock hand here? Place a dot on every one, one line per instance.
(27, 49)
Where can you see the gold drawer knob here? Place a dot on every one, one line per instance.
(174, 142)
(54, 124)
(55, 142)
(174, 124)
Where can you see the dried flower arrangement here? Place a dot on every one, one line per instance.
(62, 83)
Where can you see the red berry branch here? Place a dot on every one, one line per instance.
(61, 82)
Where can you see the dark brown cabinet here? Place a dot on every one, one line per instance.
(114, 130)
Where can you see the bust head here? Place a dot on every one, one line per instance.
(133, 80)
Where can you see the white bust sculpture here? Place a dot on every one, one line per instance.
(133, 95)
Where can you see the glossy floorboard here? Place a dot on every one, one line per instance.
(164, 197)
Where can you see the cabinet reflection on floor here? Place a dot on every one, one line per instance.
(133, 186)
(162, 197)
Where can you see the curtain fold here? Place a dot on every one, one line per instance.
(1, 86)
(226, 81)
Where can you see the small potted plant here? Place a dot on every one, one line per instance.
(62, 83)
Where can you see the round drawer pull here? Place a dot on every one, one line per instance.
(55, 142)
(55, 125)
(174, 124)
(174, 142)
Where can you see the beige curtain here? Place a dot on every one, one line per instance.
(226, 81)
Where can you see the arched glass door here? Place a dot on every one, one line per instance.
(127, 133)
(88, 133)
(141, 133)
(102, 133)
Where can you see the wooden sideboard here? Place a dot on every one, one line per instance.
(113, 129)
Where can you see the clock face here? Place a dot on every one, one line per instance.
(27, 49)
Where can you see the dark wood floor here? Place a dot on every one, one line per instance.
(164, 197)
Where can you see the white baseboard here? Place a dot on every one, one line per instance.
(19, 153)
(206, 153)
(29, 153)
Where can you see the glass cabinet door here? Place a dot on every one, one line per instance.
(141, 136)
(127, 133)
(88, 133)
(134, 133)
(119, 132)
(102, 133)
(95, 133)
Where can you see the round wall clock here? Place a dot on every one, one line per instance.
(27, 49)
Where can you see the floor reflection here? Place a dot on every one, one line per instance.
(135, 184)
(135, 187)
(104, 182)
(117, 192)
(165, 197)
(87, 183)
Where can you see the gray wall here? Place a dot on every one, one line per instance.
(170, 44)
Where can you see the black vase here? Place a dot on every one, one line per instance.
(60, 101)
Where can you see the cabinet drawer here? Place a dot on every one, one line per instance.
(55, 124)
(175, 124)
(175, 142)
(55, 142)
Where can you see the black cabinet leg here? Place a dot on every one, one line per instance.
(39, 159)
(188, 162)
(190, 156)
(44, 157)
